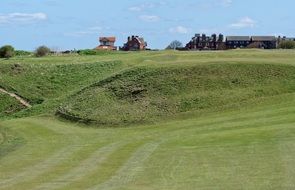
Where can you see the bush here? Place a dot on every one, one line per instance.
(94, 52)
(42, 51)
(287, 45)
(6, 51)
(22, 53)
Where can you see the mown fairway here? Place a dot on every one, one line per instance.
(240, 134)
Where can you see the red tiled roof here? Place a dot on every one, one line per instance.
(109, 39)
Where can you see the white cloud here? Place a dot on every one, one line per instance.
(149, 18)
(22, 18)
(226, 3)
(179, 30)
(145, 6)
(141, 7)
(245, 22)
(138, 9)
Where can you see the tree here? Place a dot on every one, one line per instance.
(42, 51)
(174, 45)
(6, 51)
(287, 45)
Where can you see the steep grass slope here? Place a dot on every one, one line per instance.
(151, 92)
(45, 85)
(8, 105)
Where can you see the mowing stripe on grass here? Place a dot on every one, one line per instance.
(86, 166)
(129, 170)
(32, 172)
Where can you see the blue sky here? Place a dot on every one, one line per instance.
(69, 24)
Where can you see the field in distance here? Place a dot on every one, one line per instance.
(149, 120)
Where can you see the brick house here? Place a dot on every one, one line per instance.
(203, 42)
(134, 43)
(107, 43)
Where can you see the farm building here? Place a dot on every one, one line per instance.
(233, 42)
(134, 43)
(203, 42)
(107, 43)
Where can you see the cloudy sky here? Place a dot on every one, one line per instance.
(69, 24)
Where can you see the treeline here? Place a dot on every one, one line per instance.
(8, 51)
(287, 45)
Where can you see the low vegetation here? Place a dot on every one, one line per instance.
(287, 45)
(23, 53)
(97, 52)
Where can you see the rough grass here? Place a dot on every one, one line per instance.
(45, 85)
(9, 105)
(151, 92)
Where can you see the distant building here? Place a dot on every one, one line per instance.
(134, 43)
(284, 38)
(265, 42)
(107, 43)
(234, 42)
(203, 42)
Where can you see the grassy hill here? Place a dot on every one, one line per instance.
(46, 84)
(151, 92)
(176, 120)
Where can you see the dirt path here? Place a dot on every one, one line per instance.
(18, 98)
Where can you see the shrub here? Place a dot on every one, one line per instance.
(287, 45)
(94, 52)
(42, 51)
(87, 52)
(22, 53)
(6, 51)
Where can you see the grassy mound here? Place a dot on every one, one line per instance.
(152, 92)
(38, 82)
(44, 85)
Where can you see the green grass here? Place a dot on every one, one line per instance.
(198, 120)
(46, 84)
(252, 148)
(152, 92)
(8, 105)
